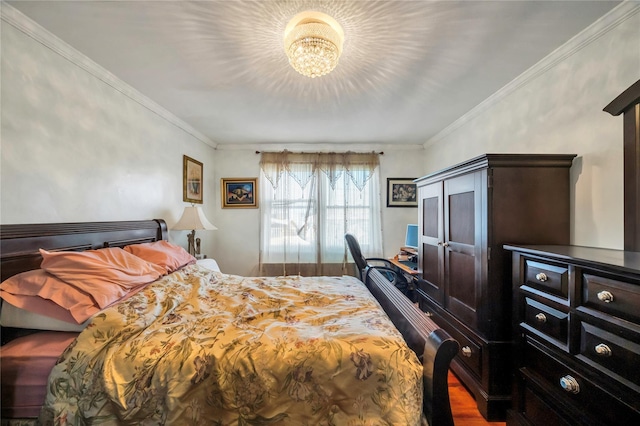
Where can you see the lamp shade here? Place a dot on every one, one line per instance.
(193, 218)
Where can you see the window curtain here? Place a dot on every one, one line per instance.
(308, 202)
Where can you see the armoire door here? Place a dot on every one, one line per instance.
(462, 246)
(430, 249)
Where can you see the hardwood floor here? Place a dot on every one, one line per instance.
(463, 406)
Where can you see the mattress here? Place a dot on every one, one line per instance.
(201, 347)
(27, 361)
(25, 364)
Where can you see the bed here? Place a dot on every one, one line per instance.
(272, 354)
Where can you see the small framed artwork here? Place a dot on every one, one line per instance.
(402, 192)
(239, 192)
(191, 180)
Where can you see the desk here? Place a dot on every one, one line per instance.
(410, 275)
(404, 267)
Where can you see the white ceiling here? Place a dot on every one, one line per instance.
(408, 70)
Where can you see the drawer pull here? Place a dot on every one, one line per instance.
(445, 244)
(603, 350)
(541, 277)
(466, 351)
(541, 318)
(605, 296)
(428, 314)
(570, 384)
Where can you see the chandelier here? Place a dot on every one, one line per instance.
(313, 43)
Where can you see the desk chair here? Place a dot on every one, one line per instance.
(386, 268)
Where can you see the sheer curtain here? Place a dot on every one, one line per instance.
(308, 202)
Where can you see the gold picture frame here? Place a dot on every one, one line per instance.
(191, 180)
(239, 193)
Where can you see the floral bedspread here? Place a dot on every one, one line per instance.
(200, 347)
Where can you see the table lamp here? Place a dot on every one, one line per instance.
(193, 219)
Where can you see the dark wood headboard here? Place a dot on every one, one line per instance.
(19, 244)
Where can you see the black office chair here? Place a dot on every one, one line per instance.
(383, 265)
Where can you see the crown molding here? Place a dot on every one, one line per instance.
(320, 147)
(17, 19)
(615, 17)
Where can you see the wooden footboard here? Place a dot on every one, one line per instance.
(433, 345)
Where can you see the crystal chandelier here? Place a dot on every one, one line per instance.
(313, 43)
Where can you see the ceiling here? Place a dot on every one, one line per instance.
(408, 70)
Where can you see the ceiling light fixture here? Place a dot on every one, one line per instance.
(313, 43)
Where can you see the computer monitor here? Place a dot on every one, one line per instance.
(411, 238)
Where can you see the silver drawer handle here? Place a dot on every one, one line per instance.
(466, 351)
(541, 318)
(570, 384)
(605, 296)
(541, 277)
(603, 350)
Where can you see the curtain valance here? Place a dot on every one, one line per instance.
(302, 166)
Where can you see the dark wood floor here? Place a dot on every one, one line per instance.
(463, 406)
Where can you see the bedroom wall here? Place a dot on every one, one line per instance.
(556, 107)
(79, 145)
(237, 244)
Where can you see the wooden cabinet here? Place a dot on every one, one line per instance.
(466, 213)
(577, 322)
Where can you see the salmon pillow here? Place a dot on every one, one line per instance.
(42, 293)
(107, 274)
(170, 256)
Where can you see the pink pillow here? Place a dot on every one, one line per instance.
(42, 293)
(170, 256)
(107, 274)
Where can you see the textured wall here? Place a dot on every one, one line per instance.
(560, 111)
(76, 149)
(237, 243)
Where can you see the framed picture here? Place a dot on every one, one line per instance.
(191, 180)
(402, 192)
(239, 192)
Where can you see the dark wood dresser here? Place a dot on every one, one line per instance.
(466, 214)
(577, 322)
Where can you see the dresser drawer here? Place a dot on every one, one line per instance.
(552, 322)
(546, 277)
(577, 337)
(538, 412)
(569, 388)
(611, 353)
(470, 352)
(618, 298)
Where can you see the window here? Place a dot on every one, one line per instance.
(309, 201)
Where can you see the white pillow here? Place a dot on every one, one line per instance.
(209, 264)
(12, 316)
